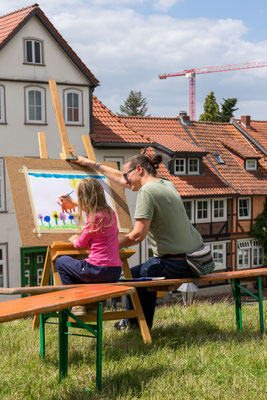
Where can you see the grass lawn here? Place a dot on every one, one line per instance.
(196, 354)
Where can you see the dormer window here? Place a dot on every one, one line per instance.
(193, 166)
(251, 165)
(33, 50)
(186, 166)
(179, 166)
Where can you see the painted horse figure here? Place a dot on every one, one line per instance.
(67, 207)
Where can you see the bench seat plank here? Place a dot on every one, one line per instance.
(55, 301)
(217, 276)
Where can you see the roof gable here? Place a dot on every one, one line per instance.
(11, 23)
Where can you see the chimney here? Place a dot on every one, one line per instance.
(245, 120)
(185, 119)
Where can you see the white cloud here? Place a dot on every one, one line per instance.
(127, 50)
(165, 5)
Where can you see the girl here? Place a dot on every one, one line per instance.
(100, 235)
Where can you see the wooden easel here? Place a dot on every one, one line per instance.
(66, 248)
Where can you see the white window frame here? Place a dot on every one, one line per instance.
(213, 245)
(3, 263)
(79, 93)
(252, 167)
(249, 208)
(257, 246)
(243, 252)
(2, 105)
(33, 41)
(2, 186)
(224, 217)
(43, 114)
(192, 219)
(182, 172)
(199, 220)
(193, 172)
(118, 160)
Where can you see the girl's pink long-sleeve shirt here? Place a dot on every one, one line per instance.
(103, 244)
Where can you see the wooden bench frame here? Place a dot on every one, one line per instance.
(237, 278)
(57, 305)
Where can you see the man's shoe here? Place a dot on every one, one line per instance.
(79, 311)
(124, 325)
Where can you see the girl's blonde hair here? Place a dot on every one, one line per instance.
(92, 200)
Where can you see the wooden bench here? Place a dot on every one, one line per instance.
(238, 281)
(57, 304)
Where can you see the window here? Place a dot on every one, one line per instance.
(2, 105)
(193, 166)
(189, 208)
(35, 105)
(251, 165)
(73, 106)
(179, 166)
(203, 211)
(218, 250)
(218, 158)
(257, 253)
(2, 186)
(250, 253)
(33, 51)
(243, 254)
(219, 210)
(3, 266)
(118, 160)
(244, 208)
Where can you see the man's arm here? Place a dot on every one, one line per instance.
(137, 235)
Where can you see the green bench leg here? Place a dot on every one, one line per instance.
(238, 309)
(42, 336)
(260, 304)
(63, 344)
(99, 345)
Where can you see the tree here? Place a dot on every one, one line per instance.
(211, 109)
(228, 109)
(135, 104)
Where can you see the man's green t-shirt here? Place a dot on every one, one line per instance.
(170, 231)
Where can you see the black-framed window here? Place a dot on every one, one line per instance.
(33, 51)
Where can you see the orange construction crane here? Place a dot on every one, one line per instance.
(191, 75)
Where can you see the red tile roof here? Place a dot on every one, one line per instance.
(230, 178)
(151, 126)
(239, 148)
(211, 136)
(257, 131)
(176, 144)
(11, 23)
(108, 128)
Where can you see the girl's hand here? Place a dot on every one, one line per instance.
(68, 198)
(73, 238)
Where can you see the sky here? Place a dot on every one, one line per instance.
(127, 44)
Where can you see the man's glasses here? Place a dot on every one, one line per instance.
(125, 175)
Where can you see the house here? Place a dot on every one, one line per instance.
(32, 51)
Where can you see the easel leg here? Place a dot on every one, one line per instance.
(63, 344)
(99, 345)
(137, 306)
